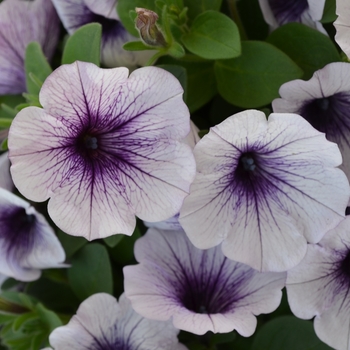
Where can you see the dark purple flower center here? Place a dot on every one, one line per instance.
(288, 11)
(88, 145)
(330, 115)
(345, 266)
(106, 344)
(90, 142)
(108, 25)
(247, 167)
(17, 229)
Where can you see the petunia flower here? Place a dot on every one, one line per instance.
(201, 290)
(342, 25)
(22, 22)
(320, 285)
(173, 223)
(104, 148)
(27, 242)
(279, 12)
(102, 323)
(264, 188)
(5, 176)
(324, 101)
(75, 14)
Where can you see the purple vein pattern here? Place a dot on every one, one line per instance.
(76, 13)
(324, 101)
(22, 22)
(320, 286)
(104, 148)
(279, 12)
(264, 189)
(101, 323)
(201, 290)
(27, 242)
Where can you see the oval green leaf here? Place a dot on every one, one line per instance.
(287, 333)
(91, 271)
(253, 79)
(307, 47)
(84, 45)
(213, 36)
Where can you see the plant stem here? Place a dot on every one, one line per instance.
(236, 18)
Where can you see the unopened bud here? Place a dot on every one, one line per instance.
(146, 25)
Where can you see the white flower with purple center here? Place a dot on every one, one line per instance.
(102, 323)
(76, 13)
(27, 242)
(342, 25)
(324, 101)
(264, 188)
(201, 290)
(105, 147)
(279, 12)
(22, 22)
(320, 286)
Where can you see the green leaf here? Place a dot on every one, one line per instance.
(70, 243)
(179, 73)
(329, 14)
(4, 146)
(125, 6)
(135, 46)
(307, 47)
(37, 68)
(7, 111)
(84, 45)
(253, 79)
(287, 333)
(20, 320)
(48, 317)
(213, 36)
(176, 50)
(91, 271)
(196, 7)
(5, 123)
(112, 241)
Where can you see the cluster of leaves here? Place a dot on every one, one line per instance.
(222, 72)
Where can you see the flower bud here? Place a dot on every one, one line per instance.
(146, 25)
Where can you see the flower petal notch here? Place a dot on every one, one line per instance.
(201, 290)
(103, 323)
(264, 188)
(27, 242)
(324, 101)
(342, 25)
(279, 12)
(105, 147)
(75, 14)
(22, 22)
(320, 285)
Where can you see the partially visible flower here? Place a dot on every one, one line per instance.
(260, 184)
(342, 25)
(320, 286)
(75, 14)
(106, 147)
(27, 242)
(146, 24)
(201, 290)
(102, 323)
(5, 176)
(324, 101)
(279, 12)
(173, 223)
(22, 22)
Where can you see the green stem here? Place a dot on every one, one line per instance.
(154, 58)
(237, 19)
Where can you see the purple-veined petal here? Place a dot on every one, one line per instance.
(104, 148)
(319, 286)
(101, 322)
(200, 289)
(324, 101)
(279, 12)
(22, 22)
(106, 8)
(259, 186)
(342, 25)
(27, 242)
